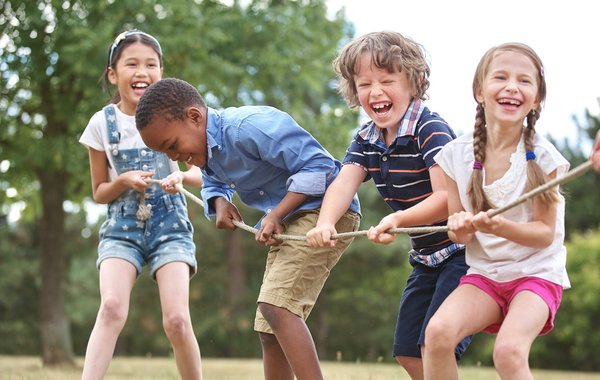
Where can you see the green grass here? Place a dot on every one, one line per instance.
(122, 368)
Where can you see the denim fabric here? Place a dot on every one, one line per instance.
(167, 236)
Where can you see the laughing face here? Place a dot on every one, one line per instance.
(510, 89)
(181, 140)
(384, 96)
(137, 68)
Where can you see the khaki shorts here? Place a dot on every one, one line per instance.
(295, 272)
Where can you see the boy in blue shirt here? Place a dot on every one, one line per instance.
(274, 166)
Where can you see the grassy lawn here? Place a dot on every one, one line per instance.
(30, 368)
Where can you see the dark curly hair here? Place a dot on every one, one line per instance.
(167, 98)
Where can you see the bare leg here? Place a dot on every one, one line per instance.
(275, 364)
(526, 317)
(173, 285)
(294, 340)
(116, 281)
(467, 310)
(412, 365)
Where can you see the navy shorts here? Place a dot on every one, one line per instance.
(426, 289)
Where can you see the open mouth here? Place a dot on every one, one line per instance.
(381, 107)
(139, 87)
(509, 102)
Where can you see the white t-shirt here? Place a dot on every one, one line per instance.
(95, 136)
(494, 257)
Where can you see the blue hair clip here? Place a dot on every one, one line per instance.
(530, 155)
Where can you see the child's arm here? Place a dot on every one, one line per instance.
(190, 177)
(431, 210)
(271, 223)
(225, 213)
(338, 198)
(460, 222)
(105, 191)
(538, 233)
(595, 155)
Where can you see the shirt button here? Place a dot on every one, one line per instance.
(268, 210)
(232, 185)
(144, 167)
(144, 153)
(261, 192)
(384, 158)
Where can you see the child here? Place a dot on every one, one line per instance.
(595, 155)
(274, 166)
(386, 74)
(517, 260)
(144, 224)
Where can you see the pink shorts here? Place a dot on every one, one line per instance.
(504, 292)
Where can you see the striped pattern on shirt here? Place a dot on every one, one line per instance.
(401, 171)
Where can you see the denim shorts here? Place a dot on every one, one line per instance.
(426, 289)
(167, 236)
(295, 273)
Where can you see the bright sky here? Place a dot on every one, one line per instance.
(456, 33)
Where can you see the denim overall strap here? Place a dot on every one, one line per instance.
(111, 128)
(114, 136)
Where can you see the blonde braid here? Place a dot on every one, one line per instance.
(535, 175)
(475, 192)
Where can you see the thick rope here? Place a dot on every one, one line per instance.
(578, 171)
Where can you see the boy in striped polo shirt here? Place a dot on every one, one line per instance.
(386, 74)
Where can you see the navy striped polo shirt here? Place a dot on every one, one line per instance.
(401, 171)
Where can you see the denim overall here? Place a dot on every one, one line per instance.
(164, 237)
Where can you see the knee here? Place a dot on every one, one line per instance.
(509, 357)
(267, 340)
(272, 314)
(113, 311)
(439, 336)
(409, 363)
(176, 324)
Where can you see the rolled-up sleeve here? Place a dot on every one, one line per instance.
(212, 188)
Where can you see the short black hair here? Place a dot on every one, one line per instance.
(168, 98)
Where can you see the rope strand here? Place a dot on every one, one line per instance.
(578, 171)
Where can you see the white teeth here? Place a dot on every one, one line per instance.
(140, 85)
(380, 106)
(511, 102)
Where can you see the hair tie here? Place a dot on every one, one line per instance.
(477, 165)
(530, 155)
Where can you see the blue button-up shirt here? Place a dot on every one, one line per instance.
(261, 153)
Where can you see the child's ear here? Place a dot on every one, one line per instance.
(112, 76)
(479, 97)
(194, 114)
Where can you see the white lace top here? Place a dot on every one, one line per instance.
(495, 257)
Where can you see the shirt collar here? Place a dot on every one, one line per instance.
(408, 124)
(213, 132)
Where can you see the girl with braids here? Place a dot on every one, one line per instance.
(517, 273)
